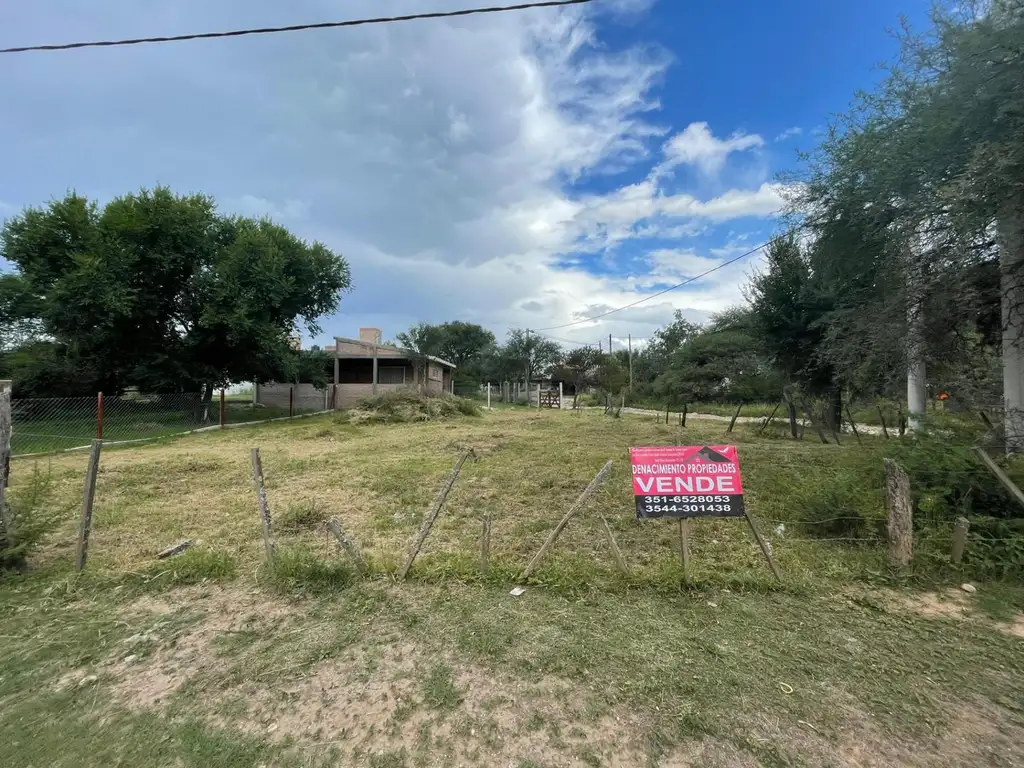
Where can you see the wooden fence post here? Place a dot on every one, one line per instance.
(734, 417)
(348, 545)
(686, 408)
(85, 528)
(5, 460)
(261, 502)
(959, 540)
(291, 401)
(901, 514)
(815, 424)
(428, 522)
(1001, 476)
(768, 421)
(223, 409)
(573, 510)
(853, 424)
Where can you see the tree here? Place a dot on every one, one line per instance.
(723, 362)
(160, 292)
(581, 366)
(934, 159)
(526, 355)
(467, 345)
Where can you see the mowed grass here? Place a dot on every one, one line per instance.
(215, 658)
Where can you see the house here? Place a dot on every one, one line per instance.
(364, 367)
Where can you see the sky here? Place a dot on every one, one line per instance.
(529, 169)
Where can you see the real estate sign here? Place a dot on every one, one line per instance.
(687, 481)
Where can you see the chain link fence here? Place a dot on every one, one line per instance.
(52, 425)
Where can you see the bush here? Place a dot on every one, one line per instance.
(409, 406)
(846, 505)
(947, 478)
(33, 515)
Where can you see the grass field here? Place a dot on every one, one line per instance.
(215, 658)
(75, 426)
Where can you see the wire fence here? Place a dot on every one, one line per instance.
(52, 425)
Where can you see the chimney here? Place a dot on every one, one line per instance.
(370, 335)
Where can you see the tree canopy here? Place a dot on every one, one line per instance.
(157, 291)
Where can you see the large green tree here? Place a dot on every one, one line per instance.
(467, 345)
(161, 292)
(933, 160)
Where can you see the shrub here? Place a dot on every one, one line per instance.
(409, 406)
(33, 515)
(845, 505)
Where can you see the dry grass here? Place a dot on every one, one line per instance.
(212, 658)
(380, 480)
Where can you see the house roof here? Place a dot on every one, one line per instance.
(411, 353)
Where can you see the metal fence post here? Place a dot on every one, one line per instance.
(291, 401)
(99, 415)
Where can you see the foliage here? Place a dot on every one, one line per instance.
(468, 345)
(409, 406)
(722, 362)
(161, 292)
(33, 512)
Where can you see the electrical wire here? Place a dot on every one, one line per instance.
(295, 27)
(689, 280)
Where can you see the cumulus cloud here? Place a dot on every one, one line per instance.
(439, 157)
(696, 145)
(790, 133)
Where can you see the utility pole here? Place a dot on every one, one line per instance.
(609, 343)
(629, 340)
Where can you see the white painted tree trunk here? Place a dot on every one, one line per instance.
(917, 375)
(1010, 236)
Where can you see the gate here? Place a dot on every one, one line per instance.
(550, 398)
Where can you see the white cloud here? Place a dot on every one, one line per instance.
(434, 155)
(790, 133)
(696, 145)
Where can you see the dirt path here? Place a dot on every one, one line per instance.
(866, 429)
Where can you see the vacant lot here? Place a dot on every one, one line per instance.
(214, 658)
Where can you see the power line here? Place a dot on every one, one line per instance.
(674, 287)
(564, 341)
(294, 27)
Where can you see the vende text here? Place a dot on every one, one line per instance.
(671, 485)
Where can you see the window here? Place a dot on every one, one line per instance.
(391, 374)
(434, 372)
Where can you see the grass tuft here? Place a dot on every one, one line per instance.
(298, 570)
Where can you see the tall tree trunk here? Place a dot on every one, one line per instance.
(835, 408)
(207, 399)
(917, 375)
(1010, 235)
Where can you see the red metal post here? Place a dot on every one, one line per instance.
(223, 410)
(291, 401)
(99, 416)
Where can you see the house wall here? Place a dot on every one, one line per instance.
(306, 397)
(351, 395)
(343, 348)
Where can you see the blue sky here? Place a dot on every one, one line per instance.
(524, 169)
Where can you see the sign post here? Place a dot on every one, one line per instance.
(692, 481)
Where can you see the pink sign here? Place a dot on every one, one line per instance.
(687, 481)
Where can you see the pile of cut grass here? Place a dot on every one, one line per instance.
(409, 406)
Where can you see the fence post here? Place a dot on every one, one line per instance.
(488, 395)
(90, 494)
(959, 540)
(291, 401)
(99, 415)
(901, 514)
(5, 457)
(223, 409)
